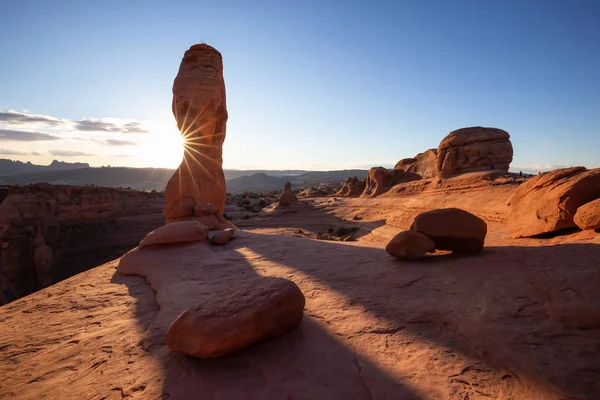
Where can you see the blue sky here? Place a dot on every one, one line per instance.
(310, 84)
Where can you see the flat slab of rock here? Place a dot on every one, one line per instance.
(588, 215)
(176, 232)
(452, 229)
(410, 245)
(249, 312)
(548, 202)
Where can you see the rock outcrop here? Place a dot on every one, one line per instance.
(222, 236)
(264, 308)
(548, 202)
(382, 179)
(287, 196)
(312, 192)
(50, 232)
(452, 229)
(423, 164)
(410, 245)
(464, 150)
(352, 187)
(176, 232)
(474, 149)
(198, 186)
(588, 215)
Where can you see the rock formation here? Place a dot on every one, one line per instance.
(50, 232)
(588, 215)
(423, 164)
(410, 245)
(198, 186)
(176, 232)
(312, 192)
(221, 236)
(352, 187)
(381, 179)
(247, 313)
(287, 196)
(474, 149)
(464, 150)
(548, 202)
(452, 229)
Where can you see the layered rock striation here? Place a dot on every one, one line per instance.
(50, 232)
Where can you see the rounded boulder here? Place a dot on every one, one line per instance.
(588, 215)
(410, 245)
(452, 229)
(249, 312)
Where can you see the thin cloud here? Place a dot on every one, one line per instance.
(97, 125)
(36, 153)
(24, 136)
(10, 152)
(17, 118)
(114, 142)
(69, 153)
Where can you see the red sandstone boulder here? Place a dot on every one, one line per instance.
(452, 229)
(379, 180)
(221, 236)
(548, 202)
(287, 196)
(423, 164)
(410, 245)
(588, 215)
(474, 149)
(176, 232)
(252, 311)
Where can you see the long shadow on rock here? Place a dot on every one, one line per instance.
(309, 362)
(477, 325)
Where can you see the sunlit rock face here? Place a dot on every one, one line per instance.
(198, 186)
(474, 149)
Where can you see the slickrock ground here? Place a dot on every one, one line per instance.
(512, 322)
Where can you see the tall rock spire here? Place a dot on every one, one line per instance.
(198, 186)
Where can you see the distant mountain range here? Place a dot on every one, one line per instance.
(238, 181)
(10, 167)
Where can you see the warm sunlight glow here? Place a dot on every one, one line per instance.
(163, 148)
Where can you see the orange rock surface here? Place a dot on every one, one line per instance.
(548, 202)
(198, 186)
(245, 314)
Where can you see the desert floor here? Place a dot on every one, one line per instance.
(517, 321)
